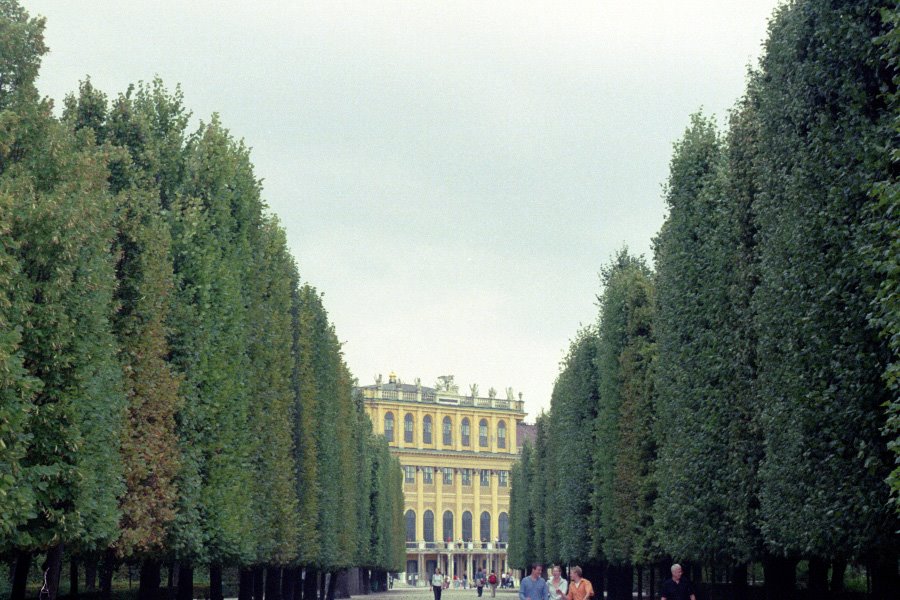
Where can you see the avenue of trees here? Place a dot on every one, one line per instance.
(171, 394)
(737, 406)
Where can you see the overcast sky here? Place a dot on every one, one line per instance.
(451, 175)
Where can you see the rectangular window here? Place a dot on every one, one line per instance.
(408, 429)
(504, 478)
(448, 476)
(485, 478)
(467, 476)
(426, 431)
(410, 474)
(428, 475)
(448, 432)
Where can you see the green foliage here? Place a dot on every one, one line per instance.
(625, 445)
(772, 349)
(537, 500)
(574, 403)
(64, 230)
(167, 387)
(149, 442)
(21, 49)
(884, 251)
(823, 131)
(269, 284)
(144, 293)
(520, 553)
(707, 463)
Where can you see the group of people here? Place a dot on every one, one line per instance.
(439, 582)
(535, 587)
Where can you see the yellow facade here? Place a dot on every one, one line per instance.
(456, 451)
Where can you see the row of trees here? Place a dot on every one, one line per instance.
(169, 389)
(739, 404)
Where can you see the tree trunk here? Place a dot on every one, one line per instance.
(838, 568)
(90, 574)
(652, 582)
(245, 587)
(781, 578)
(640, 582)
(367, 585)
(818, 578)
(185, 581)
(310, 584)
(341, 587)
(150, 579)
(739, 588)
(73, 577)
(620, 582)
(107, 568)
(288, 581)
(697, 573)
(20, 578)
(54, 567)
(215, 582)
(323, 584)
(259, 582)
(273, 583)
(332, 583)
(885, 581)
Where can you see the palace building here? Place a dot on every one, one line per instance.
(456, 451)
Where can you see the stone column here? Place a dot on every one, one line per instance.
(439, 505)
(476, 506)
(420, 504)
(495, 515)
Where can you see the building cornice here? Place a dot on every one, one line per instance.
(462, 454)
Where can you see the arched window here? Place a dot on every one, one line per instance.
(485, 526)
(410, 526)
(501, 434)
(504, 528)
(467, 526)
(408, 425)
(426, 430)
(389, 427)
(483, 433)
(466, 431)
(448, 431)
(428, 526)
(448, 526)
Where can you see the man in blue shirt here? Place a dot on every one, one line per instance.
(534, 587)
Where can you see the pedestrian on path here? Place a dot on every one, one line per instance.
(534, 587)
(677, 588)
(558, 586)
(479, 582)
(437, 584)
(492, 581)
(580, 589)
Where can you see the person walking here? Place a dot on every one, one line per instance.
(557, 585)
(580, 588)
(678, 587)
(492, 581)
(479, 582)
(534, 587)
(437, 584)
